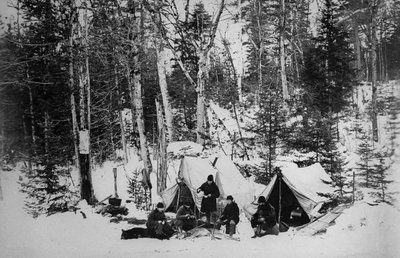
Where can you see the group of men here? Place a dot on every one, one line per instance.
(263, 221)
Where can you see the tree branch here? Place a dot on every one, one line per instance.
(215, 25)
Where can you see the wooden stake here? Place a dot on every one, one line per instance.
(115, 182)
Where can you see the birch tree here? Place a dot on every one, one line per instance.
(282, 52)
(133, 74)
(202, 43)
(84, 103)
(373, 6)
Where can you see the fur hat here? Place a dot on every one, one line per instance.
(210, 178)
(160, 205)
(229, 197)
(261, 199)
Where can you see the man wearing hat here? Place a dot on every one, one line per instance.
(229, 217)
(263, 221)
(157, 223)
(185, 220)
(209, 201)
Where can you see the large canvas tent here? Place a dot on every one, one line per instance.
(193, 172)
(299, 191)
(230, 181)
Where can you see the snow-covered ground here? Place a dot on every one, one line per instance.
(363, 230)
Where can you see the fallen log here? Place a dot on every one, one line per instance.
(322, 223)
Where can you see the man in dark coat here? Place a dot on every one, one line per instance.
(185, 220)
(157, 223)
(230, 216)
(263, 221)
(209, 201)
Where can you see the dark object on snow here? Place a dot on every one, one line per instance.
(114, 201)
(136, 233)
(112, 210)
(135, 221)
(105, 199)
(83, 214)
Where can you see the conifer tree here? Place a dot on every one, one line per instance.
(365, 166)
(379, 178)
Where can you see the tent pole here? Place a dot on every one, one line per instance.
(179, 196)
(280, 197)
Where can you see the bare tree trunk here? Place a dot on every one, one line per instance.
(2, 153)
(84, 102)
(46, 133)
(201, 83)
(374, 74)
(32, 116)
(2, 134)
(162, 76)
(240, 67)
(1, 190)
(120, 118)
(260, 54)
(162, 81)
(282, 23)
(162, 154)
(136, 87)
(357, 45)
(136, 93)
(71, 83)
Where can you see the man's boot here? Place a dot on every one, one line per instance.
(232, 228)
(256, 232)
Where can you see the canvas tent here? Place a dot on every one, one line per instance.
(231, 181)
(193, 172)
(297, 189)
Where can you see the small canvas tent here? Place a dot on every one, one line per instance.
(193, 172)
(298, 191)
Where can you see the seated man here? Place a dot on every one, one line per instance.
(230, 216)
(185, 220)
(263, 221)
(157, 223)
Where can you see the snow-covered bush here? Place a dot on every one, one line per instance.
(49, 189)
(137, 192)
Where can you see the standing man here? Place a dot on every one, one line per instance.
(263, 221)
(209, 201)
(230, 216)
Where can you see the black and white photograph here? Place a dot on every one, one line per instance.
(199, 128)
